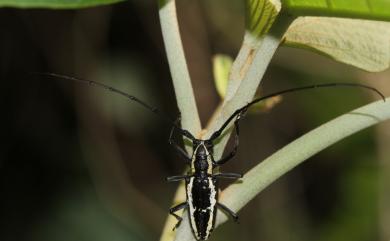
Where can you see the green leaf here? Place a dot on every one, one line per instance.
(260, 15)
(362, 43)
(366, 9)
(55, 4)
(221, 69)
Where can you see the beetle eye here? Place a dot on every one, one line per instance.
(195, 143)
(208, 143)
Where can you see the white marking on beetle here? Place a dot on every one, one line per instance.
(191, 207)
(193, 160)
(212, 208)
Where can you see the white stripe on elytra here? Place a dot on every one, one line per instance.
(191, 207)
(212, 208)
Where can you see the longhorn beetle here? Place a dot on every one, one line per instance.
(201, 181)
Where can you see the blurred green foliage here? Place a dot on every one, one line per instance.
(55, 4)
(371, 9)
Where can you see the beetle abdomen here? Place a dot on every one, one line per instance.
(202, 199)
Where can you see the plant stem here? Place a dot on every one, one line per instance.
(178, 67)
(247, 72)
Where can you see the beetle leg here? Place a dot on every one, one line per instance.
(236, 143)
(177, 148)
(175, 209)
(177, 178)
(228, 175)
(228, 211)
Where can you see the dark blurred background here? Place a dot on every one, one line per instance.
(79, 163)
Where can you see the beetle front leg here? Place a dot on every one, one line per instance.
(177, 148)
(236, 143)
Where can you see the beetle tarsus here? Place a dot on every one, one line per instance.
(175, 209)
(228, 211)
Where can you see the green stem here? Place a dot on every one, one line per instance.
(247, 72)
(178, 67)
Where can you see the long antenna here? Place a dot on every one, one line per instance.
(128, 96)
(243, 109)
